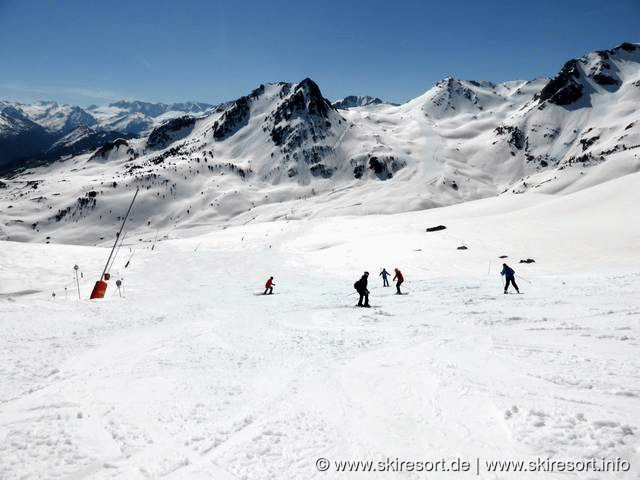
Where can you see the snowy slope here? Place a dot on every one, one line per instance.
(185, 373)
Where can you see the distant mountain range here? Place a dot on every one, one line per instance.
(32, 134)
(46, 131)
(284, 142)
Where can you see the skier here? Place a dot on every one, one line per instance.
(268, 287)
(400, 279)
(385, 274)
(509, 275)
(361, 288)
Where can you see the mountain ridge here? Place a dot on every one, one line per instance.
(284, 152)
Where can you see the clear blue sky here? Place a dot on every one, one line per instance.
(87, 51)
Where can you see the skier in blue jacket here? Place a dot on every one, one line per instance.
(385, 274)
(509, 275)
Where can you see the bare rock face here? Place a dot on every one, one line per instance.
(303, 115)
(170, 131)
(565, 88)
(233, 119)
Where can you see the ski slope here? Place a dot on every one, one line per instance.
(185, 373)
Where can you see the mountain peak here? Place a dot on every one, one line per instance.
(565, 88)
(353, 101)
(578, 77)
(305, 101)
(307, 97)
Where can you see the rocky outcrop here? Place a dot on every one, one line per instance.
(571, 83)
(110, 146)
(233, 119)
(304, 115)
(382, 167)
(170, 132)
(565, 88)
(515, 137)
(353, 101)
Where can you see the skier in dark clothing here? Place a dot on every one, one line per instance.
(361, 288)
(509, 276)
(268, 287)
(385, 274)
(398, 276)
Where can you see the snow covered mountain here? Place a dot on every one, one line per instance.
(19, 136)
(31, 134)
(284, 151)
(353, 101)
(57, 118)
(137, 117)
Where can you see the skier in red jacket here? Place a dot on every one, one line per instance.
(398, 276)
(268, 287)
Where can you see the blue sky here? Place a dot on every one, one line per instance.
(86, 52)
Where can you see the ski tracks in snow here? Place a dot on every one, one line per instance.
(198, 378)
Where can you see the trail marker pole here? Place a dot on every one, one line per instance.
(76, 268)
(130, 257)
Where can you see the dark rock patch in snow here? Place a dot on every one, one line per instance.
(233, 119)
(564, 88)
(171, 131)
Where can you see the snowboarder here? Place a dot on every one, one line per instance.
(361, 288)
(268, 287)
(400, 279)
(509, 275)
(385, 274)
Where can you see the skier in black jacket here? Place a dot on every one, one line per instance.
(361, 288)
(509, 276)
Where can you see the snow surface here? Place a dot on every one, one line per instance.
(186, 373)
